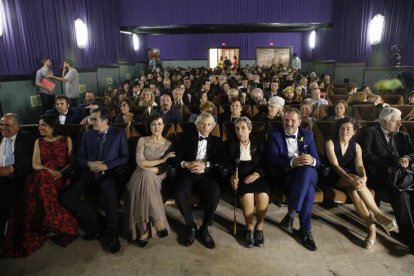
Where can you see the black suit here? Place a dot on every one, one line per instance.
(203, 184)
(11, 185)
(378, 157)
(72, 117)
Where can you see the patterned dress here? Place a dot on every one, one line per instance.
(39, 213)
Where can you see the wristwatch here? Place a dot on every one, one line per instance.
(208, 164)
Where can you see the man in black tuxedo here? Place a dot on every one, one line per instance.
(197, 153)
(67, 115)
(384, 148)
(101, 152)
(16, 150)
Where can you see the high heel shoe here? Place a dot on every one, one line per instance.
(387, 224)
(369, 244)
(162, 233)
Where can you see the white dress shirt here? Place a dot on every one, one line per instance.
(201, 149)
(245, 152)
(3, 149)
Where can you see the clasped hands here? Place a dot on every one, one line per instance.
(196, 167)
(249, 179)
(97, 166)
(358, 182)
(303, 160)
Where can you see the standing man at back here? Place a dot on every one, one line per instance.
(70, 77)
(47, 95)
(296, 63)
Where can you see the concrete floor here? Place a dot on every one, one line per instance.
(338, 233)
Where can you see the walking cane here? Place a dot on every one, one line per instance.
(235, 200)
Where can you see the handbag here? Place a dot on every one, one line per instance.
(403, 179)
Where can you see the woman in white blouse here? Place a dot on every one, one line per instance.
(247, 179)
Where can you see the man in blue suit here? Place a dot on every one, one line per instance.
(101, 152)
(292, 151)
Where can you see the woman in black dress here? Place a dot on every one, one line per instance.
(248, 181)
(345, 157)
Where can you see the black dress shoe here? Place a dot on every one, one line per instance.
(113, 244)
(249, 239)
(189, 235)
(287, 224)
(162, 233)
(206, 238)
(258, 238)
(91, 236)
(142, 243)
(307, 240)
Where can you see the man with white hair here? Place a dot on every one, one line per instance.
(316, 97)
(384, 148)
(257, 97)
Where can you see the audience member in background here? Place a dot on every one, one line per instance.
(128, 117)
(178, 101)
(102, 152)
(352, 89)
(357, 98)
(296, 63)
(327, 85)
(249, 183)
(411, 98)
(88, 99)
(147, 99)
(40, 216)
(235, 64)
(307, 121)
(367, 90)
(85, 121)
(292, 151)
(198, 153)
(67, 115)
(205, 107)
(341, 111)
(348, 172)
(274, 110)
(47, 95)
(290, 96)
(220, 63)
(257, 97)
(70, 77)
(227, 63)
(16, 150)
(136, 90)
(171, 115)
(115, 101)
(126, 86)
(236, 111)
(144, 188)
(377, 101)
(110, 92)
(315, 98)
(384, 148)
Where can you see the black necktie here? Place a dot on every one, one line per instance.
(101, 141)
(201, 138)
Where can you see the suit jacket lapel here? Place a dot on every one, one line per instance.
(194, 145)
(382, 140)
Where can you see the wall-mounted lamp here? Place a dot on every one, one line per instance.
(81, 33)
(135, 41)
(312, 39)
(2, 16)
(376, 27)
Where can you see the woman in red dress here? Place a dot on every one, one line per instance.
(39, 215)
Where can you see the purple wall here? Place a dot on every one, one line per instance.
(185, 47)
(161, 12)
(35, 29)
(348, 40)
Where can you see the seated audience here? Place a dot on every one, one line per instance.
(348, 172)
(307, 121)
(67, 115)
(40, 216)
(341, 109)
(144, 188)
(236, 111)
(384, 148)
(126, 115)
(16, 150)
(292, 151)
(248, 179)
(315, 98)
(205, 107)
(290, 96)
(198, 153)
(357, 98)
(411, 98)
(102, 151)
(274, 110)
(171, 115)
(88, 99)
(85, 121)
(257, 97)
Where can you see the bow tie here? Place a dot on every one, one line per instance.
(201, 138)
(287, 136)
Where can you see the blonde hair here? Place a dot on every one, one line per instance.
(141, 100)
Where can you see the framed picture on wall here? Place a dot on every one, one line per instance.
(274, 56)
